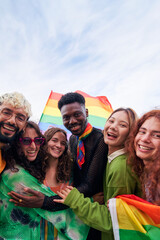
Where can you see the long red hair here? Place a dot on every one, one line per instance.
(153, 178)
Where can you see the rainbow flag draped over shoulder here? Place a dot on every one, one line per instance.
(99, 109)
(134, 218)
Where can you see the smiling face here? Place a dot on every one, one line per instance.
(57, 144)
(12, 121)
(30, 151)
(74, 117)
(116, 131)
(147, 140)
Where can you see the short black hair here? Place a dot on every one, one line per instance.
(70, 97)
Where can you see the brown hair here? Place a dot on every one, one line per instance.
(132, 116)
(64, 162)
(137, 163)
(15, 155)
(130, 113)
(151, 181)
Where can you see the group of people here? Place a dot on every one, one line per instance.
(54, 189)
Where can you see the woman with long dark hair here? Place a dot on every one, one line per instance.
(26, 167)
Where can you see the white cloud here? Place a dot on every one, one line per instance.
(103, 48)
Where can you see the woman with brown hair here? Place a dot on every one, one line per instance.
(118, 177)
(58, 170)
(144, 154)
(27, 168)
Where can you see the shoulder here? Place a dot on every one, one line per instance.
(119, 163)
(96, 134)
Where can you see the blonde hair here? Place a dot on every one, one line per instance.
(17, 100)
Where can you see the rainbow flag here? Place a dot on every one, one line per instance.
(134, 218)
(99, 109)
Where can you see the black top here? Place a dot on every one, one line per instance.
(89, 179)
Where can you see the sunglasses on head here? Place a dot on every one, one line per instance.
(28, 140)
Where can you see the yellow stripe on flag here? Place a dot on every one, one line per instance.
(130, 218)
(98, 112)
(52, 111)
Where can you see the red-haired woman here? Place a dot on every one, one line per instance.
(144, 154)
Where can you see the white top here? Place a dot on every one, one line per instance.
(116, 154)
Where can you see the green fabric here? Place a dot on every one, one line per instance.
(24, 223)
(118, 180)
(153, 233)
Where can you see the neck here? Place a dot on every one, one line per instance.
(51, 172)
(112, 149)
(52, 162)
(148, 165)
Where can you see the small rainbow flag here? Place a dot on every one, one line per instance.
(99, 109)
(134, 218)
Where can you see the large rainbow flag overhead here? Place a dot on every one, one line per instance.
(99, 109)
(134, 218)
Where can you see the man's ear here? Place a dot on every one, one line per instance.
(86, 112)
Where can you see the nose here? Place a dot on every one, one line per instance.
(146, 137)
(33, 145)
(12, 119)
(72, 120)
(58, 144)
(113, 126)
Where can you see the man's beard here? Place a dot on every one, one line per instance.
(6, 139)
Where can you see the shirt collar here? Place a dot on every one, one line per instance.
(116, 154)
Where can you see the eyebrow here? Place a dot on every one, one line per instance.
(155, 131)
(120, 120)
(5, 108)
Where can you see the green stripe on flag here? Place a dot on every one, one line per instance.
(98, 122)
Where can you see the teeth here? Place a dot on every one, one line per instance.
(9, 128)
(31, 152)
(145, 148)
(112, 135)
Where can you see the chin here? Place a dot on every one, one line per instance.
(31, 159)
(6, 139)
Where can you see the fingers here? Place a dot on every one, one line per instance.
(34, 200)
(16, 196)
(64, 193)
(32, 192)
(69, 187)
(59, 200)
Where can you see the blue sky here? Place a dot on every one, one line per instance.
(104, 48)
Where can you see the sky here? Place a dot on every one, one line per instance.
(101, 47)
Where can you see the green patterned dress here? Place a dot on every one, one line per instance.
(24, 223)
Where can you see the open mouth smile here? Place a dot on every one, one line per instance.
(112, 135)
(9, 128)
(145, 147)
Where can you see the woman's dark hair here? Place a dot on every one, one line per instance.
(63, 172)
(14, 155)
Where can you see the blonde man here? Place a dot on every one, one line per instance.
(15, 110)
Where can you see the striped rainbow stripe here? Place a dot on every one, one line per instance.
(134, 218)
(99, 109)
